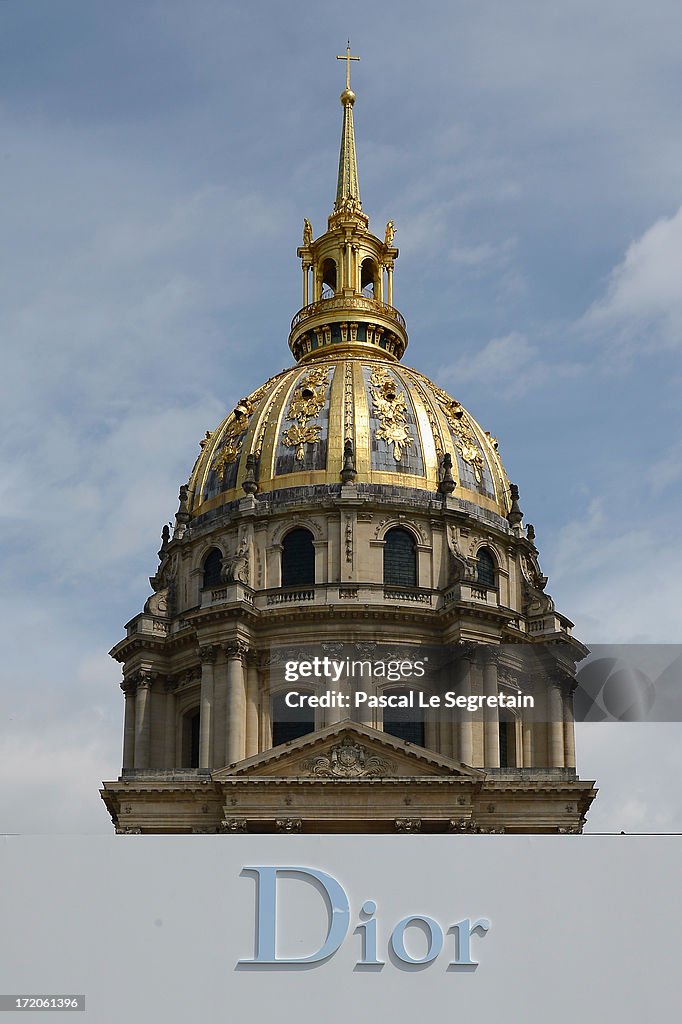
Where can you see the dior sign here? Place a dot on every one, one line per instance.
(405, 933)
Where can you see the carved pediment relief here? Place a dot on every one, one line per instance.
(346, 750)
(348, 760)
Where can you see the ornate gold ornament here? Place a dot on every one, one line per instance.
(308, 399)
(236, 428)
(464, 438)
(390, 405)
(298, 437)
(232, 444)
(348, 402)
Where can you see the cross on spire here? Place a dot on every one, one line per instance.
(348, 58)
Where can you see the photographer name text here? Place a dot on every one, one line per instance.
(406, 699)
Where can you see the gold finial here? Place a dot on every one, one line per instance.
(347, 96)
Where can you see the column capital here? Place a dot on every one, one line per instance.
(209, 652)
(490, 655)
(467, 650)
(236, 649)
(557, 676)
(253, 657)
(144, 679)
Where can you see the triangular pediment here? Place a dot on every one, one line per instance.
(347, 750)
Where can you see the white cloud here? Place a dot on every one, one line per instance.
(667, 470)
(482, 255)
(632, 797)
(618, 574)
(643, 300)
(510, 364)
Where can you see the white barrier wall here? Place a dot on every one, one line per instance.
(152, 928)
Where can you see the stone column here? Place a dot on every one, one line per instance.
(569, 732)
(491, 718)
(143, 720)
(431, 730)
(465, 727)
(527, 753)
(389, 285)
(265, 735)
(445, 731)
(336, 714)
(252, 703)
(208, 656)
(555, 724)
(169, 744)
(235, 744)
(128, 725)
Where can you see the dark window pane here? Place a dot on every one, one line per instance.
(405, 723)
(504, 745)
(486, 568)
(212, 566)
(298, 559)
(289, 723)
(193, 724)
(400, 559)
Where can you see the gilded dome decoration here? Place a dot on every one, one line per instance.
(308, 416)
(399, 422)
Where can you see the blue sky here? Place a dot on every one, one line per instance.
(157, 162)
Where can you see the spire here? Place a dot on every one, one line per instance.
(347, 274)
(347, 187)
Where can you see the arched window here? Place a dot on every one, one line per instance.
(298, 559)
(405, 723)
(400, 559)
(290, 723)
(368, 277)
(190, 739)
(212, 566)
(328, 278)
(485, 568)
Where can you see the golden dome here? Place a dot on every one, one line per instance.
(349, 412)
(291, 433)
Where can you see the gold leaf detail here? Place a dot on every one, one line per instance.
(390, 406)
(309, 396)
(225, 457)
(306, 403)
(464, 437)
(297, 437)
